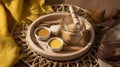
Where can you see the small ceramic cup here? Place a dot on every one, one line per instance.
(42, 33)
(55, 44)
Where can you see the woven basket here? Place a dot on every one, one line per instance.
(33, 59)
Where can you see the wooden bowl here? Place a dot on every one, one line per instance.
(41, 48)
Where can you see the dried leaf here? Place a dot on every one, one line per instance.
(115, 14)
(98, 16)
(110, 23)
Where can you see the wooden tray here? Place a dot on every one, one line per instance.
(41, 47)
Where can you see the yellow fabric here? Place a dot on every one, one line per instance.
(9, 51)
(15, 7)
(21, 10)
(33, 9)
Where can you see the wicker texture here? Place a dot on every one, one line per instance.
(32, 59)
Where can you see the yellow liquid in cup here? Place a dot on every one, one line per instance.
(43, 32)
(55, 43)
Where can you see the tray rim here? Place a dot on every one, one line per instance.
(75, 54)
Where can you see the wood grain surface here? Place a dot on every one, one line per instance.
(89, 5)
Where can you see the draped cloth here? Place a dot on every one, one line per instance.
(11, 12)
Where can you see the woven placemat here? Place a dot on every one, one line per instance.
(33, 59)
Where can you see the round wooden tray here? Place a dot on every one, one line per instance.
(33, 59)
(41, 46)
